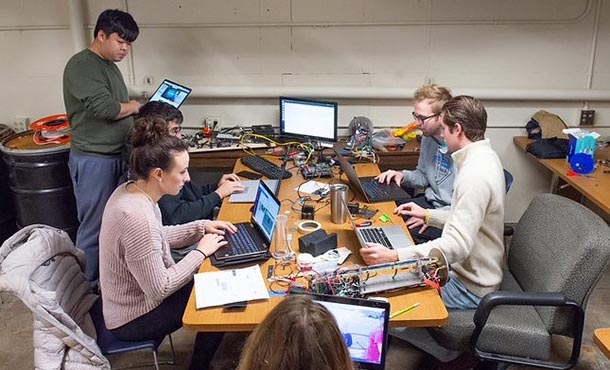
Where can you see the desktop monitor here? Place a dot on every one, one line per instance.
(308, 120)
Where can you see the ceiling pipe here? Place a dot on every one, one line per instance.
(253, 92)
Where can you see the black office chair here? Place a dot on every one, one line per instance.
(558, 253)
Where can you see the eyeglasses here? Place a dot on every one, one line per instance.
(423, 119)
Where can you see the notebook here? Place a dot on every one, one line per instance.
(364, 325)
(250, 189)
(171, 92)
(252, 240)
(391, 236)
(370, 188)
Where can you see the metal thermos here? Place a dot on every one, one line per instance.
(338, 203)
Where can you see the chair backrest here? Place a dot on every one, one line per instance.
(559, 246)
(508, 179)
(41, 266)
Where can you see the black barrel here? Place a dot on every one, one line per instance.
(7, 210)
(40, 183)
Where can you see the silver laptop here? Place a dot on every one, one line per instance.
(364, 324)
(250, 187)
(391, 236)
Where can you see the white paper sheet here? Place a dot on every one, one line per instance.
(228, 286)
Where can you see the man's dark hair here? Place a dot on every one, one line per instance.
(158, 109)
(469, 113)
(117, 21)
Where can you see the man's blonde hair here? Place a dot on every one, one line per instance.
(438, 94)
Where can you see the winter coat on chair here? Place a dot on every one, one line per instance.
(41, 266)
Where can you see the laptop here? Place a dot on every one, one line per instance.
(391, 236)
(171, 92)
(364, 325)
(252, 240)
(371, 189)
(250, 190)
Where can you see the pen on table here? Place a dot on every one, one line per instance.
(410, 308)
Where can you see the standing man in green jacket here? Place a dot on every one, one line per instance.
(100, 115)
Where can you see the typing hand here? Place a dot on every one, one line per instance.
(210, 243)
(228, 177)
(414, 222)
(411, 209)
(390, 175)
(229, 187)
(219, 227)
(375, 253)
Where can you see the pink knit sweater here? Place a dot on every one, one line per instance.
(136, 269)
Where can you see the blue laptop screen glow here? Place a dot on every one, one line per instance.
(363, 330)
(266, 209)
(171, 93)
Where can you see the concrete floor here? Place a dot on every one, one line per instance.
(16, 350)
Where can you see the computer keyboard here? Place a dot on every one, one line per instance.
(240, 243)
(265, 167)
(374, 189)
(375, 235)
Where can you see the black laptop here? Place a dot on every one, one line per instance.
(372, 190)
(171, 92)
(252, 240)
(364, 325)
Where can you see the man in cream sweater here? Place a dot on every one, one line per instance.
(472, 236)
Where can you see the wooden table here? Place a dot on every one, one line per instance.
(594, 186)
(602, 339)
(431, 312)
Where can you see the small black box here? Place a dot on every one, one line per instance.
(317, 242)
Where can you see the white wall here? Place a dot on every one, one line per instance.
(239, 55)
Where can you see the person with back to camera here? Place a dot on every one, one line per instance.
(434, 169)
(100, 115)
(298, 334)
(193, 202)
(144, 291)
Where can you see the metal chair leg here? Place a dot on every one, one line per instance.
(171, 345)
(155, 359)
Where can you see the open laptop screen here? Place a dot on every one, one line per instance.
(266, 209)
(364, 325)
(171, 92)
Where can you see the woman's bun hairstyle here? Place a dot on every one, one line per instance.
(153, 147)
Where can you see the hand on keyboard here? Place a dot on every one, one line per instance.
(210, 243)
(229, 187)
(390, 176)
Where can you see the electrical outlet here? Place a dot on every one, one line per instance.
(149, 80)
(210, 121)
(586, 117)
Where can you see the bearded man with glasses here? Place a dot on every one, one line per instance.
(434, 169)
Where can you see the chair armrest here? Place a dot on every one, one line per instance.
(505, 298)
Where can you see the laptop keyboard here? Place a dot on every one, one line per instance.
(375, 190)
(241, 242)
(375, 235)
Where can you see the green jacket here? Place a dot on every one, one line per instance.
(93, 90)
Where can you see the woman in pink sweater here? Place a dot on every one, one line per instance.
(144, 292)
